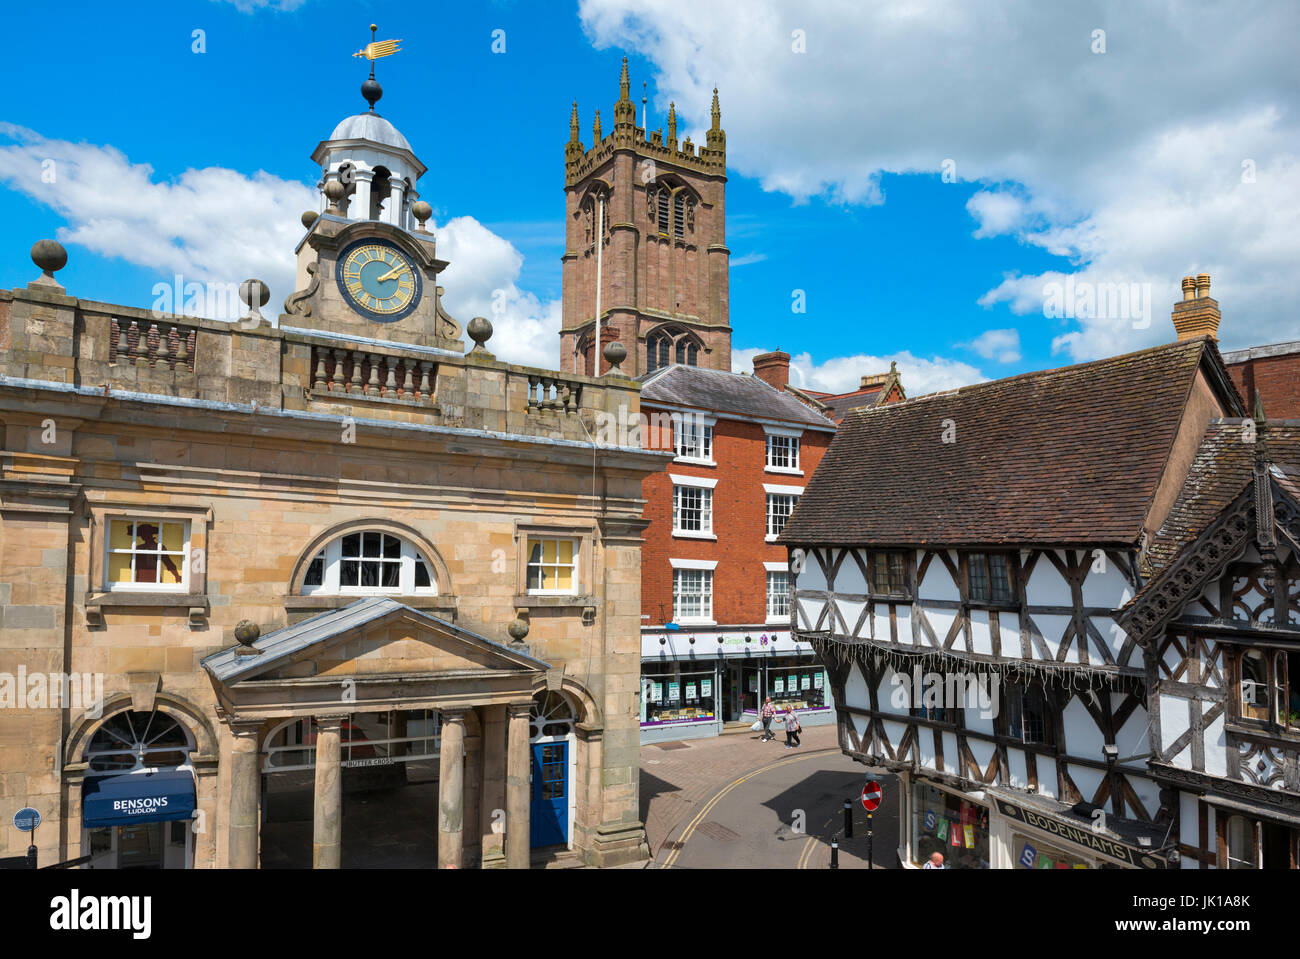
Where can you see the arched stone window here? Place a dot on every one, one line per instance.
(369, 562)
(669, 345)
(131, 740)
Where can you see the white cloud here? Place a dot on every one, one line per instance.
(842, 374)
(1000, 345)
(748, 259)
(481, 281)
(217, 225)
(252, 6)
(1128, 162)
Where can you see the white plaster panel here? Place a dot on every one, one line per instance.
(1133, 737)
(982, 751)
(895, 732)
(1016, 767)
(1088, 780)
(938, 582)
(809, 610)
(1009, 632)
(880, 623)
(978, 723)
(891, 688)
(1147, 791)
(951, 759)
(1188, 824)
(925, 747)
(1082, 737)
(1046, 775)
(1046, 586)
(1111, 635)
(940, 621)
(856, 692)
(812, 576)
(850, 611)
(1053, 628)
(849, 578)
(1174, 721)
(1107, 588)
(903, 616)
(980, 638)
(1216, 748)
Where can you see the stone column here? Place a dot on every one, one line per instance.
(245, 790)
(494, 785)
(359, 205)
(397, 189)
(451, 790)
(327, 824)
(517, 787)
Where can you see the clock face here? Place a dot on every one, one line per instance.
(379, 280)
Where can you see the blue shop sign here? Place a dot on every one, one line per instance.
(156, 796)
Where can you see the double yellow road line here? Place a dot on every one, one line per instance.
(717, 797)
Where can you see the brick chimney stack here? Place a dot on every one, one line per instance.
(773, 369)
(1197, 314)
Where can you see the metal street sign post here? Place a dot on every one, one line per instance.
(872, 794)
(26, 820)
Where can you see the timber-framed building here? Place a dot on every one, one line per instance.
(994, 534)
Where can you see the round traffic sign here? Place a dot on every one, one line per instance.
(871, 796)
(27, 819)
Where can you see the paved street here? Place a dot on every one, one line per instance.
(737, 803)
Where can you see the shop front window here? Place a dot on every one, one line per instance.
(674, 695)
(796, 686)
(1031, 853)
(951, 825)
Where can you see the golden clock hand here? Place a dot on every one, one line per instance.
(392, 274)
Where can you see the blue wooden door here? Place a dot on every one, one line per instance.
(549, 816)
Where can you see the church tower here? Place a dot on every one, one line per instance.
(660, 207)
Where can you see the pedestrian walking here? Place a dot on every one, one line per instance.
(792, 729)
(767, 714)
(935, 861)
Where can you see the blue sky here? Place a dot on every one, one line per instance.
(1119, 165)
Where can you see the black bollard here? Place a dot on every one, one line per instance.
(835, 854)
(848, 819)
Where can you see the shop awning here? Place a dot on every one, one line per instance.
(154, 796)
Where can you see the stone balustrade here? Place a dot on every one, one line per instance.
(161, 345)
(372, 374)
(553, 393)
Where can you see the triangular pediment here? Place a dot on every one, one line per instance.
(371, 637)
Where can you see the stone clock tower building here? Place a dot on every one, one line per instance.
(660, 207)
(277, 566)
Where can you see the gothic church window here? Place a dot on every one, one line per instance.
(671, 345)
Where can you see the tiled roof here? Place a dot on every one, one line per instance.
(722, 392)
(840, 403)
(1071, 455)
(1224, 466)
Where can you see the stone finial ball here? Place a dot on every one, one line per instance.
(421, 210)
(517, 629)
(614, 353)
(247, 632)
(309, 218)
(479, 330)
(49, 255)
(254, 289)
(334, 190)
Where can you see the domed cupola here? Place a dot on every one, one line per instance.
(374, 162)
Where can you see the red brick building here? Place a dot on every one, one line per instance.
(715, 586)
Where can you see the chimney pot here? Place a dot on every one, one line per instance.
(773, 368)
(1196, 314)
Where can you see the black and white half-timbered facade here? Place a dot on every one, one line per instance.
(960, 562)
(1220, 622)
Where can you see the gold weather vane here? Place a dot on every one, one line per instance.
(375, 49)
